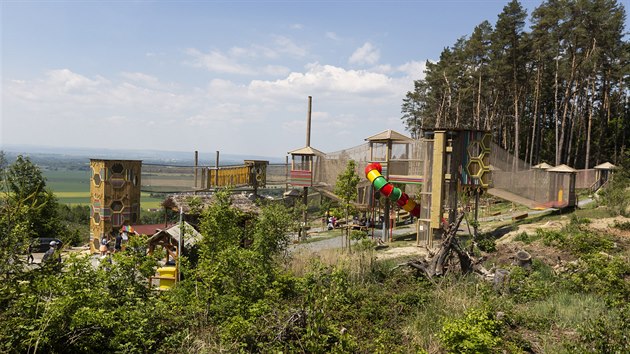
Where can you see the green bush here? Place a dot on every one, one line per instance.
(601, 274)
(551, 237)
(477, 332)
(531, 285)
(625, 226)
(524, 237)
(606, 334)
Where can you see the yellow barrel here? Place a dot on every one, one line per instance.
(167, 277)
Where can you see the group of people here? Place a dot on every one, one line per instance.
(120, 242)
(331, 221)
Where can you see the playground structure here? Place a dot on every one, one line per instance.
(432, 172)
(114, 197)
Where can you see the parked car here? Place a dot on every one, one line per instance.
(42, 244)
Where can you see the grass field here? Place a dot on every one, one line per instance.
(73, 187)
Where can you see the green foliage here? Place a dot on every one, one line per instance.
(25, 184)
(477, 332)
(524, 285)
(524, 237)
(551, 237)
(486, 242)
(625, 225)
(604, 334)
(616, 195)
(601, 274)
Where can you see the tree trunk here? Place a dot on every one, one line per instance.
(440, 264)
(589, 125)
(534, 125)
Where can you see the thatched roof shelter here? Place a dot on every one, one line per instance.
(188, 201)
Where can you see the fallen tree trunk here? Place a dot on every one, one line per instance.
(443, 259)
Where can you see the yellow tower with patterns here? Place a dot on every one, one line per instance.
(114, 197)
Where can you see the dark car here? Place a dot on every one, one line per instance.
(42, 244)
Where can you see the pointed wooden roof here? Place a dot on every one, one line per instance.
(542, 166)
(389, 135)
(562, 169)
(307, 150)
(605, 166)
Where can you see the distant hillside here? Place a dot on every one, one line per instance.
(46, 155)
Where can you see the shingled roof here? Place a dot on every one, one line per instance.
(183, 201)
(389, 135)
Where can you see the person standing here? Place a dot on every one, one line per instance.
(30, 259)
(118, 243)
(103, 247)
(49, 256)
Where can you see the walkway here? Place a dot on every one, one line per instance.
(509, 196)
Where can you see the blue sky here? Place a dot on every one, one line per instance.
(232, 76)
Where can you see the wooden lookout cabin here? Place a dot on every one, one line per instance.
(303, 166)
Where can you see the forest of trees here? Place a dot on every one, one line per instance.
(558, 93)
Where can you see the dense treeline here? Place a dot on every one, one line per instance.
(558, 93)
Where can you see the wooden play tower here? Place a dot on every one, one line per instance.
(114, 197)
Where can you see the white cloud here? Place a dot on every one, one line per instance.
(224, 114)
(333, 36)
(142, 78)
(414, 69)
(328, 79)
(287, 46)
(276, 70)
(366, 54)
(297, 26)
(216, 61)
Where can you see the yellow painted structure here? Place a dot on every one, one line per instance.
(114, 197)
(167, 277)
(437, 178)
(252, 173)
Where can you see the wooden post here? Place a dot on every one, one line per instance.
(196, 168)
(216, 171)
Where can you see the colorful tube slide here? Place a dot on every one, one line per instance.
(373, 174)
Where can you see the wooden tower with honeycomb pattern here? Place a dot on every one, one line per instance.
(114, 197)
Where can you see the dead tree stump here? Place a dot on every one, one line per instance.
(442, 261)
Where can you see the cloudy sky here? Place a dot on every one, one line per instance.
(233, 76)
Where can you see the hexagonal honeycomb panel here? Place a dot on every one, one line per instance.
(117, 182)
(117, 168)
(474, 149)
(117, 206)
(97, 179)
(474, 167)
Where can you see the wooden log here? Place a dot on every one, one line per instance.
(520, 216)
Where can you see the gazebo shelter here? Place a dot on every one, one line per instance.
(603, 172)
(562, 186)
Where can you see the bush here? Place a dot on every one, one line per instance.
(606, 334)
(475, 333)
(624, 226)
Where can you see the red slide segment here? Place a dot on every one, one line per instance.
(373, 173)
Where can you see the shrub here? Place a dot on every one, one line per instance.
(523, 237)
(475, 333)
(527, 286)
(551, 237)
(624, 226)
(601, 274)
(606, 334)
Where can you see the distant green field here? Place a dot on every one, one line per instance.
(73, 187)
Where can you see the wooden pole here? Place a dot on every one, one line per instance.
(196, 168)
(216, 171)
(308, 122)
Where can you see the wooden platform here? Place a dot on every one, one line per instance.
(509, 196)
